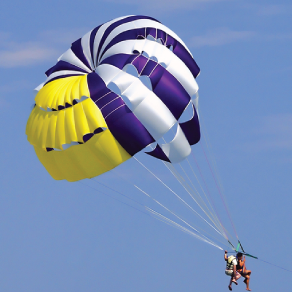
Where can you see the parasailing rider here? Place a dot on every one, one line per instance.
(240, 268)
(231, 269)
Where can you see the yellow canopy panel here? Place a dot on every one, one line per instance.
(98, 155)
(53, 129)
(61, 91)
(50, 132)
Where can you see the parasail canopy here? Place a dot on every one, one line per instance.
(118, 89)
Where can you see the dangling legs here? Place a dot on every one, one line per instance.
(233, 280)
(246, 275)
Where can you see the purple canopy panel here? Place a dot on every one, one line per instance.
(149, 67)
(126, 35)
(191, 128)
(91, 41)
(128, 130)
(158, 153)
(140, 63)
(63, 65)
(112, 106)
(106, 99)
(118, 23)
(119, 60)
(161, 35)
(62, 76)
(169, 90)
(96, 86)
(77, 49)
(151, 31)
(184, 55)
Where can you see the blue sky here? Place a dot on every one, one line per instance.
(60, 236)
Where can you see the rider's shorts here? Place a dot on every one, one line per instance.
(230, 273)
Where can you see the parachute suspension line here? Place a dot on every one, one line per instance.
(148, 209)
(117, 199)
(167, 209)
(198, 236)
(209, 148)
(216, 176)
(215, 217)
(222, 199)
(231, 245)
(225, 231)
(212, 213)
(212, 205)
(241, 246)
(174, 172)
(192, 192)
(191, 189)
(151, 199)
(208, 191)
(185, 187)
(222, 234)
(177, 195)
(158, 215)
(119, 193)
(170, 222)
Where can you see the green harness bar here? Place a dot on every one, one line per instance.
(240, 246)
(249, 255)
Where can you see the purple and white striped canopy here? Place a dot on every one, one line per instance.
(141, 76)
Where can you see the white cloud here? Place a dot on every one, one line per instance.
(221, 36)
(62, 36)
(25, 54)
(49, 45)
(272, 133)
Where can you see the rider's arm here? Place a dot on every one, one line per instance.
(241, 263)
(225, 256)
(234, 270)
